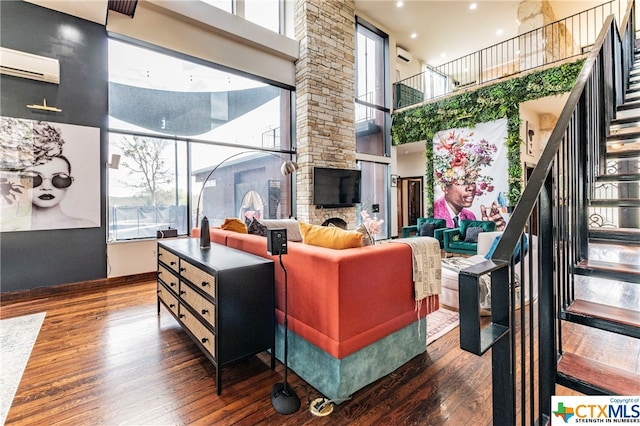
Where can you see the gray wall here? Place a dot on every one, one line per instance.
(31, 259)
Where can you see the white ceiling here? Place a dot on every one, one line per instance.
(451, 27)
(440, 26)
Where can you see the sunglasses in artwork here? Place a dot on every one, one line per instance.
(58, 180)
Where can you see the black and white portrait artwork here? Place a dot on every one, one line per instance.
(49, 175)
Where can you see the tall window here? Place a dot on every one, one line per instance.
(372, 82)
(374, 193)
(172, 122)
(373, 120)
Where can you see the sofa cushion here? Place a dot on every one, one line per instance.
(257, 228)
(426, 229)
(330, 236)
(487, 225)
(516, 252)
(471, 236)
(291, 225)
(235, 225)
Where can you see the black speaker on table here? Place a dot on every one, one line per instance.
(276, 241)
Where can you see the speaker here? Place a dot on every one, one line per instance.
(276, 241)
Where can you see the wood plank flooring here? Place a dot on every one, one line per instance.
(105, 357)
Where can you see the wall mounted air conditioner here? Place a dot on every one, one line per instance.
(403, 55)
(27, 65)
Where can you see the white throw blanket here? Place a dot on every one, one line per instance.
(427, 268)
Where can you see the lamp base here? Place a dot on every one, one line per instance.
(284, 399)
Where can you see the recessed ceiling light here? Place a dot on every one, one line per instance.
(414, 35)
(473, 6)
(400, 4)
(499, 32)
(443, 54)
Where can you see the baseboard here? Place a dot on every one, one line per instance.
(56, 290)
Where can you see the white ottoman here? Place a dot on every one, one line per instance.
(449, 292)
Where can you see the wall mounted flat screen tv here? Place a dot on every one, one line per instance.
(336, 187)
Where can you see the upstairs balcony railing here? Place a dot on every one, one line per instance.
(561, 40)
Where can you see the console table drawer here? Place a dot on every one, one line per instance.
(168, 258)
(201, 333)
(169, 299)
(205, 308)
(168, 278)
(199, 278)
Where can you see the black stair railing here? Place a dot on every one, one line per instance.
(545, 237)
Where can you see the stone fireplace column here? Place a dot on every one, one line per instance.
(542, 46)
(325, 93)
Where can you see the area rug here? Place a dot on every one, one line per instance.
(440, 323)
(17, 337)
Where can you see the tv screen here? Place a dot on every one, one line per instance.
(336, 187)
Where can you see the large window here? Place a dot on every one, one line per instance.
(270, 14)
(173, 121)
(372, 83)
(373, 120)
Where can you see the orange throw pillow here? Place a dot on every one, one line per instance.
(330, 236)
(235, 225)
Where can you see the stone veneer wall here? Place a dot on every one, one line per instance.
(545, 46)
(325, 92)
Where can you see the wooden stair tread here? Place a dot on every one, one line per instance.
(615, 202)
(629, 105)
(611, 379)
(613, 266)
(620, 177)
(607, 312)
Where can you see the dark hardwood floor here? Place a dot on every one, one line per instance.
(105, 357)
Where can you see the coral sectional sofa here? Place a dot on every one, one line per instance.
(352, 314)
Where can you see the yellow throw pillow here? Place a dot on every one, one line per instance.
(329, 236)
(235, 225)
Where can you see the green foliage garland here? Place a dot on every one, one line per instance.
(487, 103)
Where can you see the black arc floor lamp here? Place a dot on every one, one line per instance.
(283, 398)
(287, 168)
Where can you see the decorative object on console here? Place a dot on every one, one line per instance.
(373, 225)
(287, 168)
(283, 398)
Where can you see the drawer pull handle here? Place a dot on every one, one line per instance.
(172, 284)
(159, 272)
(205, 311)
(204, 283)
(181, 316)
(173, 262)
(172, 305)
(183, 269)
(204, 340)
(160, 254)
(182, 292)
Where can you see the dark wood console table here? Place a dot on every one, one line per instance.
(222, 297)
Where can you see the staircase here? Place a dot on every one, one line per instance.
(613, 262)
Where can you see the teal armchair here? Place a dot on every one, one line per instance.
(464, 239)
(439, 225)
